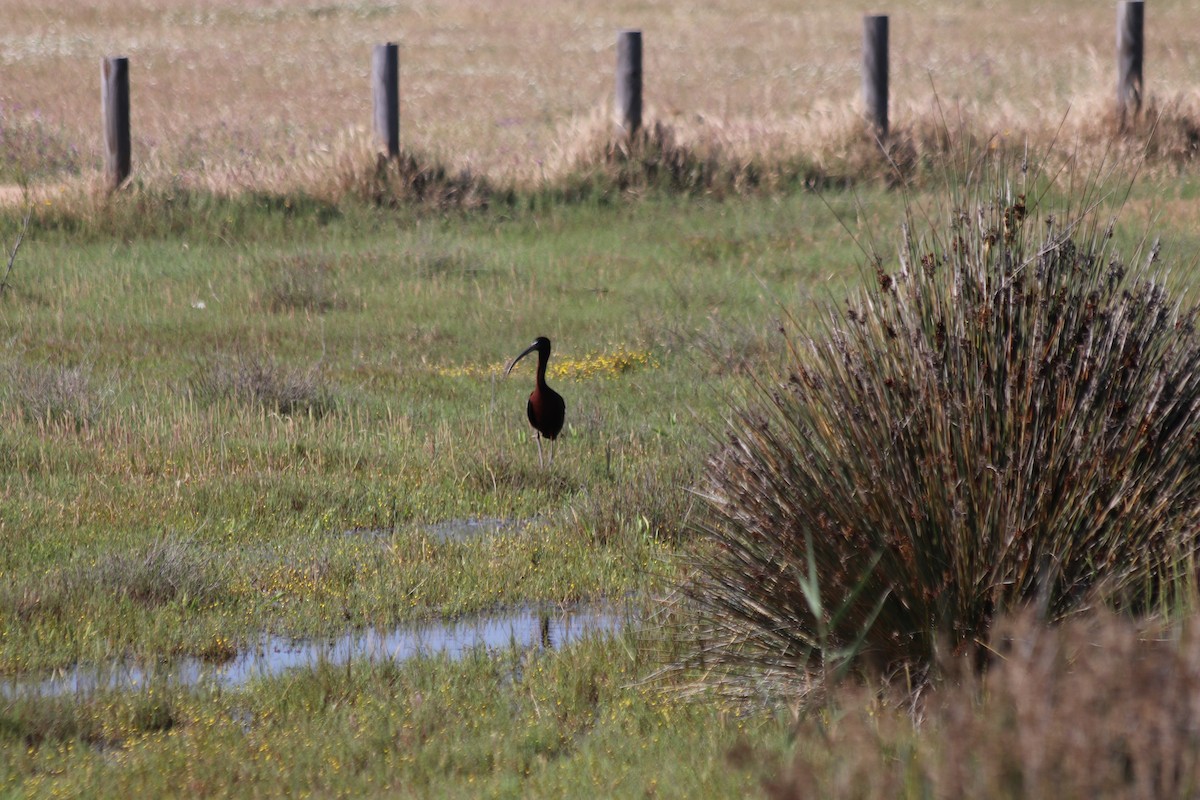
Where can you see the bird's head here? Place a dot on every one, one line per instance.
(541, 346)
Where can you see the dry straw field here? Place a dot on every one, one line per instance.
(274, 94)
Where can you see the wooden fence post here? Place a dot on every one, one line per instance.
(1130, 26)
(629, 81)
(875, 71)
(385, 87)
(114, 102)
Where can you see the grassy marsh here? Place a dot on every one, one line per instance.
(152, 517)
(174, 520)
(247, 396)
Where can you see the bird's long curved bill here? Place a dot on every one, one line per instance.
(527, 351)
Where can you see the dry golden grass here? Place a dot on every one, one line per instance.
(1099, 707)
(274, 95)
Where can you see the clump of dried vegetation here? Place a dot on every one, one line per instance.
(52, 394)
(1165, 133)
(711, 159)
(1100, 706)
(1007, 417)
(656, 156)
(362, 174)
(302, 283)
(265, 383)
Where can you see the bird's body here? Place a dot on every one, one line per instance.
(546, 409)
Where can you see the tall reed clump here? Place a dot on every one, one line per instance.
(1009, 418)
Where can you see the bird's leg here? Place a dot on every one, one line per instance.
(553, 447)
(539, 442)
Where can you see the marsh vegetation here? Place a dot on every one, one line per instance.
(885, 455)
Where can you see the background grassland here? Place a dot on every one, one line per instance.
(272, 95)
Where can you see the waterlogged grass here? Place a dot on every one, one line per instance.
(258, 419)
(512, 726)
(165, 495)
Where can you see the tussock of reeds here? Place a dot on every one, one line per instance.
(1007, 415)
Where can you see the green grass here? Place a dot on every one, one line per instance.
(158, 502)
(509, 726)
(162, 502)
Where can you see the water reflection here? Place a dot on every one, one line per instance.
(453, 530)
(538, 628)
(459, 529)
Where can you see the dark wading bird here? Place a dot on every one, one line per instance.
(546, 409)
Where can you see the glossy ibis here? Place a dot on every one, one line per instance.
(546, 408)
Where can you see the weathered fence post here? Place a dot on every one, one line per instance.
(385, 87)
(875, 71)
(114, 102)
(629, 81)
(1130, 26)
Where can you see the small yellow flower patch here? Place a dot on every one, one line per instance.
(602, 365)
(593, 365)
